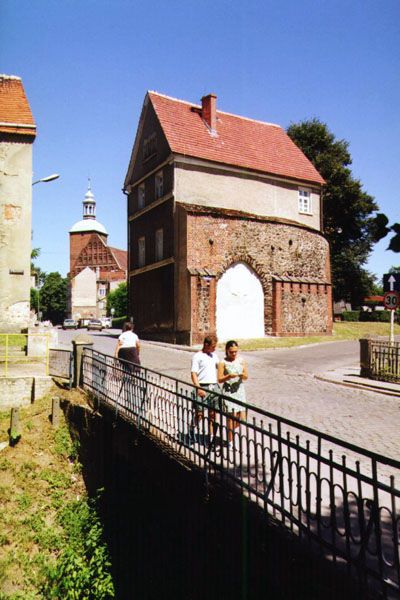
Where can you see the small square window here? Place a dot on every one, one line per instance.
(159, 184)
(159, 244)
(141, 196)
(305, 201)
(141, 251)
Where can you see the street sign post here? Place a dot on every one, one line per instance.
(391, 302)
(391, 282)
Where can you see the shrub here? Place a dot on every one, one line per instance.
(118, 322)
(377, 316)
(351, 315)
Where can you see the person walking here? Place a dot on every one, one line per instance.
(204, 377)
(128, 346)
(232, 372)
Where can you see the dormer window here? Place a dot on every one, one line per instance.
(141, 196)
(159, 183)
(305, 201)
(150, 146)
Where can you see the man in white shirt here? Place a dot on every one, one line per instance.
(204, 377)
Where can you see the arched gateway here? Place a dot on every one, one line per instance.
(240, 304)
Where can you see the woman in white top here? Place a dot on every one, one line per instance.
(232, 373)
(128, 346)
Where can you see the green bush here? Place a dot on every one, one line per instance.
(377, 316)
(351, 315)
(118, 322)
(82, 569)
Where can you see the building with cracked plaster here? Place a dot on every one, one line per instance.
(17, 134)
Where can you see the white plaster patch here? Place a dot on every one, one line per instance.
(240, 304)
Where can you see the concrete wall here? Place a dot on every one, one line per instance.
(15, 234)
(248, 193)
(22, 391)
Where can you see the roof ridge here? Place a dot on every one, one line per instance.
(13, 77)
(222, 112)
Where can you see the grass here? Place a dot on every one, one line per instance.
(341, 331)
(51, 539)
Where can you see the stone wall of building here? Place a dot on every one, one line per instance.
(272, 249)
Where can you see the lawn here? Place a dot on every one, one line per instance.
(341, 331)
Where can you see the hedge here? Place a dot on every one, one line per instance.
(376, 316)
(351, 315)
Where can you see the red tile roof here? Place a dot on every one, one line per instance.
(121, 256)
(15, 112)
(240, 142)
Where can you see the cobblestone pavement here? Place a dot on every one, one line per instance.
(367, 419)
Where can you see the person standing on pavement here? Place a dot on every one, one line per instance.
(204, 377)
(232, 372)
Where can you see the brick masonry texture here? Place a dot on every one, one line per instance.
(271, 249)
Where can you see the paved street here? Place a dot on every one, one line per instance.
(282, 381)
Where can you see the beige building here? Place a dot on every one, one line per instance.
(17, 134)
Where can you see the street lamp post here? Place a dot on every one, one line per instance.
(43, 180)
(46, 179)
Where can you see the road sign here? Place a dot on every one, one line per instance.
(391, 282)
(391, 300)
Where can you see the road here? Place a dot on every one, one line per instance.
(282, 381)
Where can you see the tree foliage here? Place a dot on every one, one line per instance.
(53, 297)
(118, 300)
(350, 223)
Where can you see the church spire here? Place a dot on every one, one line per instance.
(89, 203)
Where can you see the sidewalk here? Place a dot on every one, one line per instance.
(349, 377)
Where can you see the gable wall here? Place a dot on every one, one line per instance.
(151, 125)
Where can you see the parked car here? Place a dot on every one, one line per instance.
(83, 322)
(70, 324)
(95, 324)
(106, 322)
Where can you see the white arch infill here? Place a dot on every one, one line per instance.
(240, 304)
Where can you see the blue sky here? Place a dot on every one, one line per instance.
(86, 66)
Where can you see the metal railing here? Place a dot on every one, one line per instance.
(339, 497)
(61, 363)
(385, 360)
(24, 353)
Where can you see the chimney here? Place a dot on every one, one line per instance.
(209, 111)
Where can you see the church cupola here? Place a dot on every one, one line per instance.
(89, 204)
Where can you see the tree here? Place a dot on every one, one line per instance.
(53, 297)
(118, 300)
(350, 223)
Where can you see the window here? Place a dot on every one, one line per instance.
(159, 244)
(159, 184)
(305, 201)
(141, 196)
(150, 146)
(141, 251)
(102, 292)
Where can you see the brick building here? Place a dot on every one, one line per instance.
(225, 227)
(95, 267)
(17, 134)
